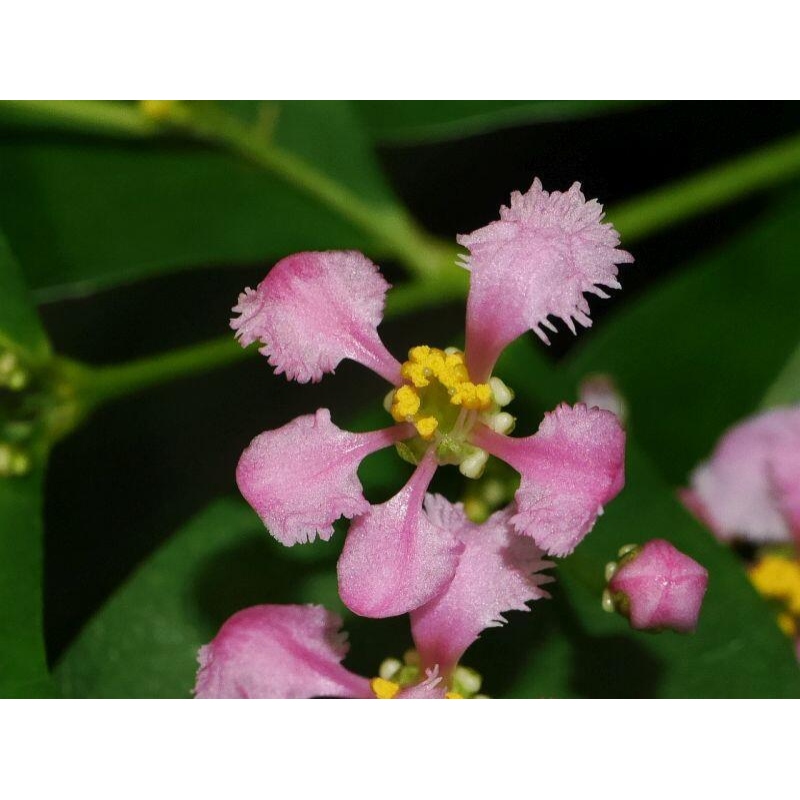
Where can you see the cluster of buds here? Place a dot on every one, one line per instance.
(15, 427)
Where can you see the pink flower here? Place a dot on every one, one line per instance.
(657, 587)
(750, 487)
(315, 309)
(273, 651)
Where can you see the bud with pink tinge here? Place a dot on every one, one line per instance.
(656, 587)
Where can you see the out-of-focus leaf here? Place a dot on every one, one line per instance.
(23, 670)
(144, 641)
(696, 354)
(785, 389)
(83, 213)
(738, 650)
(415, 121)
(19, 322)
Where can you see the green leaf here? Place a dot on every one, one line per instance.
(570, 647)
(23, 670)
(143, 642)
(414, 121)
(695, 354)
(19, 322)
(84, 213)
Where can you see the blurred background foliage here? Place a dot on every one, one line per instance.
(130, 229)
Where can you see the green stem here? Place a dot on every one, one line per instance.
(391, 226)
(708, 190)
(83, 116)
(97, 385)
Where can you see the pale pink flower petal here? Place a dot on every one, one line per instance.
(432, 688)
(570, 469)
(538, 260)
(314, 309)
(275, 651)
(302, 477)
(498, 571)
(664, 587)
(395, 559)
(750, 487)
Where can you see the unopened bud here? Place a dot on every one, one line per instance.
(656, 587)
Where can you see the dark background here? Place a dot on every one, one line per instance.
(157, 458)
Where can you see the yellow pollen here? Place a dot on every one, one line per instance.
(426, 364)
(426, 426)
(787, 624)
(383, 689)
(453, 696)
(778, 578)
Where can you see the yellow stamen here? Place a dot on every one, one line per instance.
(787, 624)
(426, 364)
(426, 426)
(405, 404)
(453, 696)
(778, 578)
(383, 689)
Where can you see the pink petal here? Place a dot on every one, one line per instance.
(750, 487)
(432, 688)
(497, 572)
(570, 468)
(395, 559)
(664, 587)
(278, 652)
(302, 477)
(546, 250)
(314, 309)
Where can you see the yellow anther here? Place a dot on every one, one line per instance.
(426, 426)
(473, 396)
(787, 624)
(383, 689)
(778, 578)
(405, 404)
(453, 696)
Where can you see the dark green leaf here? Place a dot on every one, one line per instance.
(84, 212)
(144, 642)
(23, 671)
(19, 322)
(576, 649)
(696, 354)
(413, 121)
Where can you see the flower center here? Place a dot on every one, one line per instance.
(438, 398)
(394, 675)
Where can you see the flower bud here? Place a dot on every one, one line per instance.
(656, 587)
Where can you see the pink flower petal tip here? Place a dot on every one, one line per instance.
(546, 250)
(315, 309)
(569, 470)
(302, 477)
(750, 487)
(498, 571)
(275, 651)
(658, 587)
